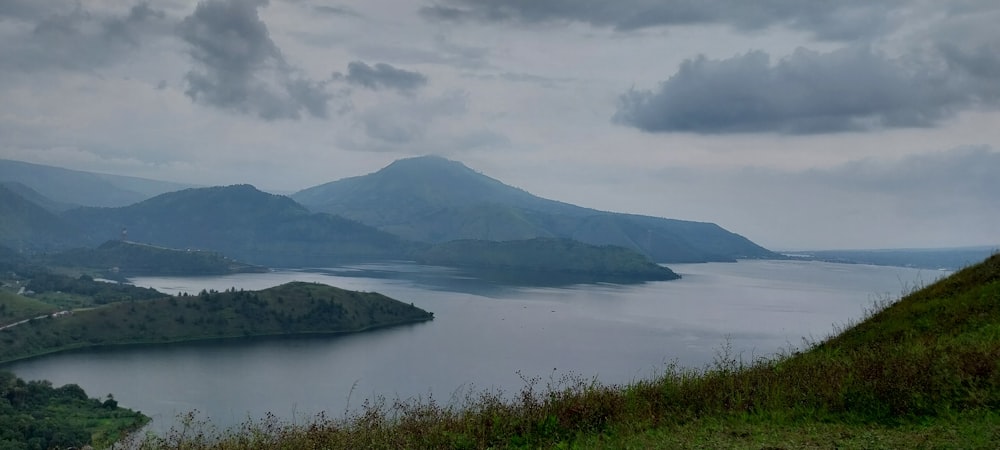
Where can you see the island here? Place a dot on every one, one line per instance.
(294, 308)
(546, 259)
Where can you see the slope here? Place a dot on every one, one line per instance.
(83, 188)
(243, 223)
(920, 373)
(432, 199)
(26, 226)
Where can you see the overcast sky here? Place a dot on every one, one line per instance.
(798, 124)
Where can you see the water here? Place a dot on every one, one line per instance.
(485, 335)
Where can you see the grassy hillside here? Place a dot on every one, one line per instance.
(921, 373)
(15, 307)
(293, 308)
(432, 199)
(548, 257)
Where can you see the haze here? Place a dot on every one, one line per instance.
(846, 124)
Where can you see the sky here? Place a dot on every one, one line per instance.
(798, 124)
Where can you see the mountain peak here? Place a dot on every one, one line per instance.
(433, 199)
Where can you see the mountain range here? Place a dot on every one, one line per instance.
(403, 211)
(70, 188)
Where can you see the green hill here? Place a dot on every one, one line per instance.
(432, 199)
(923, 372)
(14, 307)
(83, 188)
(292, 308)
(243, 223)
(547, 258)
(126, 259)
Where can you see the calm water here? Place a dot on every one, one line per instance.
(485, 336)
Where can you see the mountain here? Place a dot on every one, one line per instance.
(75, 187)
(33, 196)
(432, 199)
(26, 226)
(243, 223)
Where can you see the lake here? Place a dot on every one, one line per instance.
(485, 335)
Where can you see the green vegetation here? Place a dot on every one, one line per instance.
(15, 307)
(544, 257)
(432, 199)
(293, 308)
(35, 415)
(125, 259)
(921, 373)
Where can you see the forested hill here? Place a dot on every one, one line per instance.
(243, 223)
(292, 308)
(432, 199)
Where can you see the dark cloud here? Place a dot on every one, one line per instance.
(336, 10)
(239, 67)
(76, 38)
(836, 20)
(808, 92)
(383, 76)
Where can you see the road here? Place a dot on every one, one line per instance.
(55, 314)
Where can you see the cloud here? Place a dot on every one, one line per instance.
(239, 67)
(851, 89)
(342, 11)
(383, 76)
(406, 121)
(74, 38)
(834, 20)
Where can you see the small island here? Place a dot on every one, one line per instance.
(290, 309)
(546, 258)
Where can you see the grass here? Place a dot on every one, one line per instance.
(15, 307)
(923, 372)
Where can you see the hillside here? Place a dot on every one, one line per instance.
(547, 258)
(33, 196)
(292, 308)
(76, 187)
(28, 227)
(240, 222)
(126, 259)
(919, 373)
(432, 199)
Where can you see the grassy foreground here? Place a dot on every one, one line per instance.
(923, 372)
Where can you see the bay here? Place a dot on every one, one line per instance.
(485, 336)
